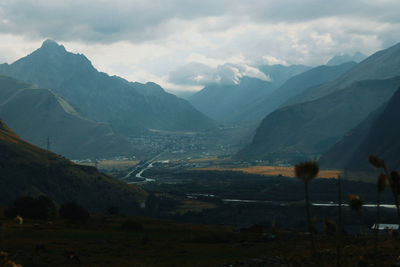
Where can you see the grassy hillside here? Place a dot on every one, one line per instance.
(36, 114)
(26, 169)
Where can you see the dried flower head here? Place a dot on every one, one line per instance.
(355, 202)
(376, 162)
(306, 171)
(382, 182)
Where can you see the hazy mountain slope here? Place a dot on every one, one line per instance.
(311, 128)
(381, 140)
(36, 114)
(222, 102)
(381, 65)
(292, 87)
(27, 169)
(337, 60)
(280, 73)
(128, 107)
(339, 155)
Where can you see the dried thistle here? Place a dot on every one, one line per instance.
(376, 162)
(382, 182)
(306, 171)
(355, 202)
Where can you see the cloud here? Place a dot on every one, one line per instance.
(200, 74)
(138, 21)
(162, 40)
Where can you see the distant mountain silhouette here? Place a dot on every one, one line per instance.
(37, 114)
(294, 86)
(26, 169)
(310, 128)
(233, 103)
(281, 73)
(378, 135)
(223, 102)
(383, 64)
(337, 60)
(128, 107)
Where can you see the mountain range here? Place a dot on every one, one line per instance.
(128, 107)
(29, 170)
(224, 102)
(337, 60)
(252, 99)
(38, 114)
(292, 87)
(307, 126)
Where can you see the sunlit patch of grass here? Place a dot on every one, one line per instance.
(271, 171)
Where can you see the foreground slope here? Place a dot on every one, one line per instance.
(378, 135)
(27, 169)
(309, 129)
(37, 114)
(128, 107)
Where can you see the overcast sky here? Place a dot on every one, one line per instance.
(184, 44)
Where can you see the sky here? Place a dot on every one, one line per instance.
(187, 44)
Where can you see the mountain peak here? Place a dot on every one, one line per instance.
(52, 45)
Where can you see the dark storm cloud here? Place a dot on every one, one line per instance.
(136, 21)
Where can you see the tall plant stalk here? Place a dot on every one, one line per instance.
(339, 229)
(307, 171)
(310, 227)
(382, 181)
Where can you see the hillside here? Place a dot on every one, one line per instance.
(383, 64)
(128, 107)
(293, 86)
(28, 169)
(37, 114)
(309, 129)
(378, 135)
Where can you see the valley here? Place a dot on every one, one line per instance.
(230, 170)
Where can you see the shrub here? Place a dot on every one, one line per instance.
(113, 210)
(41, 208)
(73, 212)
(130, 225)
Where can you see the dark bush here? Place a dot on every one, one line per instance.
(73, 212)
(41, 208)
(131, 226)
(113, 210)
